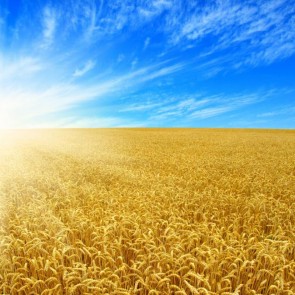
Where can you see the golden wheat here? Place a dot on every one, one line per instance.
(147, 211)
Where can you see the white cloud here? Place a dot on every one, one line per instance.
(147, 42)
(24, 100)
(287, 110)
(141, 107)
(201, 106)
(154, 8)
(120, 58)
(225, 104)
(269, 114)
(92, 14)
(49, 25)
(134, 63)
(163, 72)
(211, 112)
(21, 67)
(91, 122)
(183, 107)
(89, 65)
(265, 29)
(161, 4)
(77, 122)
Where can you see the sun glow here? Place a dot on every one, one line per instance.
(5, 121)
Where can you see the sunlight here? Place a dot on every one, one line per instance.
(6, 120)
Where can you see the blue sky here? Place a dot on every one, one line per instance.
(181, 63)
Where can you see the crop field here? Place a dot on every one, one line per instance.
(147, 211)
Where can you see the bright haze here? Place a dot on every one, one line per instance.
(166, 63)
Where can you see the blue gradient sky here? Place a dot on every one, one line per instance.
(80, 63)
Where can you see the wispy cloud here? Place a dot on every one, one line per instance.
(287, 110)
(134, 63)
(120, 58)
(180, 107)
(154, 8)
(195, 107)
(89, 65)
(49, 25)
(164, 71)
(230, 103)
(25, 65)
(203, 107)
(80, 122)
(147, 42)
(141, 107)
(23, 102)
(211, 112)
(265, 29)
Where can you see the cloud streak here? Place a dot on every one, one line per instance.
(265, 29)
(89, 65)
(27, 103)
(49, 25)
(198, 106)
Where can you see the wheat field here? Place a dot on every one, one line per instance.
(147, 211)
